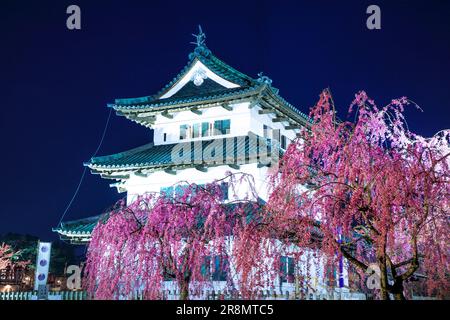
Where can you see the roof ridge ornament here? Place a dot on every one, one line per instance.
(200, 42)
(264, 79)
(200, 37)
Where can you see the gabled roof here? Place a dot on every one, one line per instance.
(160, 156)
(206, 59)
(218, 83)
(176, 100)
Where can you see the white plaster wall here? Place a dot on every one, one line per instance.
(239, 125)
(259, 120)
(136, 185)
(243, 119)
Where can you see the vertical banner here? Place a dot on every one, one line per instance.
(42, 265)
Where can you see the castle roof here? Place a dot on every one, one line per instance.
(78, 231)
(207, 81)
(160, 157)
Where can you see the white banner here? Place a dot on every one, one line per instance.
(42, 264)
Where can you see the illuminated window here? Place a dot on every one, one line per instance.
(283, 142)
(286, 269)
(196, 130)
(222, 126)
(179, 190)
(183, 131)
(215, 268)
(205, 129)
(224, 188)
(166, 192)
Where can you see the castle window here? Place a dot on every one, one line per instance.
(183, 131)
(167, 192)
(179, 190)
(222, 127)
(205, 129)
(267, 131)
(224, 187)
(215, 268)
(221, 266)
(165, 137)
(173, 191)
(283, 142)
(196, 130)
(286, 269)
(275, 135)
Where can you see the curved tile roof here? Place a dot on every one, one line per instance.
(210, 61)
(149, 155)
(78, 227)
(175, 100)
(208, 90)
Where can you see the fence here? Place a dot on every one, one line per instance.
(32, 295)
(204, 294)
(261, 295)
(194, 295)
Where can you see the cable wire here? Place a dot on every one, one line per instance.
(85, 169)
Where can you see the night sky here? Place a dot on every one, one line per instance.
(55, 83)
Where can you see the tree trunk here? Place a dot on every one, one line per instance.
(399, 296)
(184, 290)
(384, 284)
(397, 290)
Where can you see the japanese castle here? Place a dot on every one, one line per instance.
(207, 102)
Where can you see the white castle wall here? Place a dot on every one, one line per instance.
(243, 119)
(240, 122)
(137, 185)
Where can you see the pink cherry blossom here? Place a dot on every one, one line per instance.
(378, 192)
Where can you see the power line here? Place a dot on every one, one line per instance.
(85, 169)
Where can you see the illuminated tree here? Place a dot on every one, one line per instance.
(377, 192)
(370, 191)
(9, 258)
(5, 256)
(167, 236)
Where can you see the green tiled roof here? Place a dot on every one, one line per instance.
(79, 227)
(158, 156)
(174, 100)
(78, 231)
(205, 56)
(209, 90)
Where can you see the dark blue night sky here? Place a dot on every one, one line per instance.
(55, 83)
